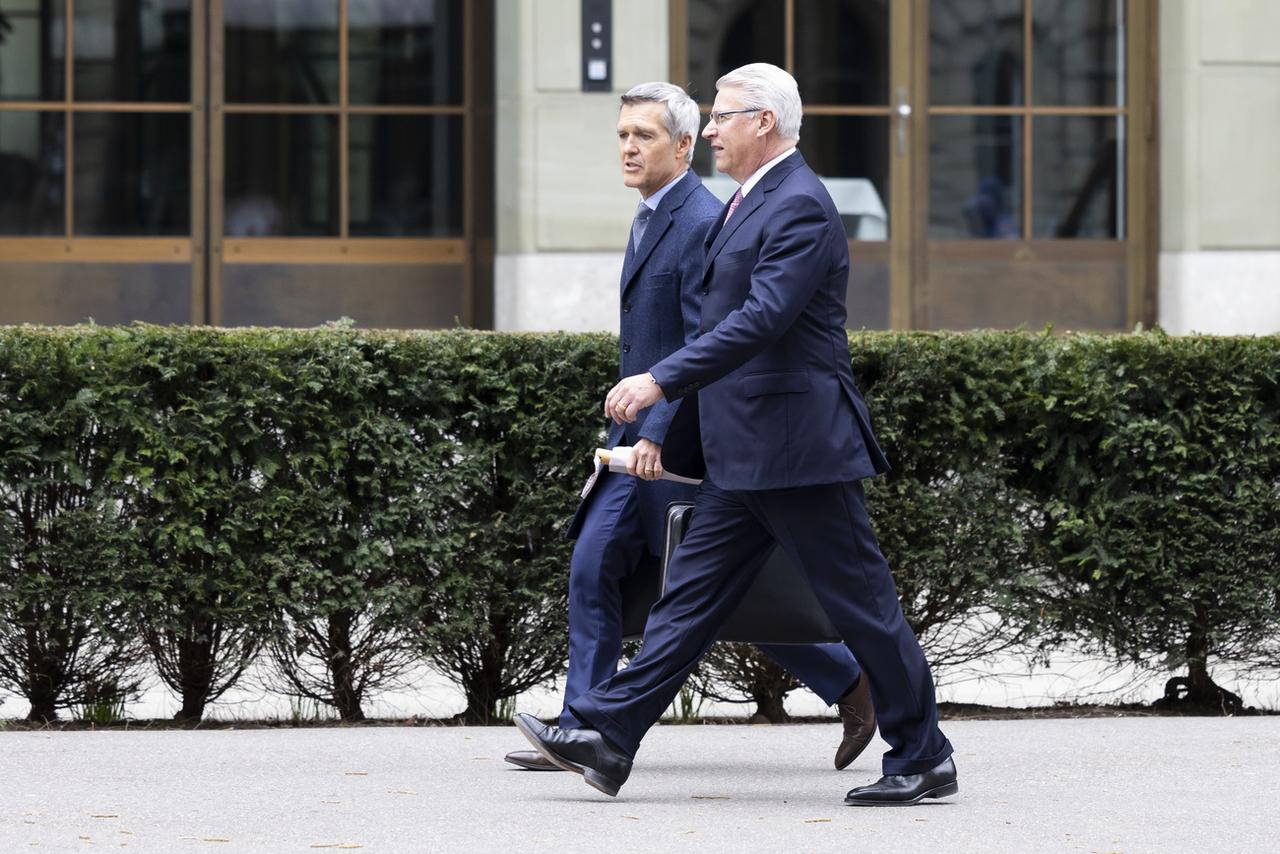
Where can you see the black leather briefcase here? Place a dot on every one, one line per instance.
(639, 591)
(779, 607)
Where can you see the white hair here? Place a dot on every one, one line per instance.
(768, 87)
(681, 117)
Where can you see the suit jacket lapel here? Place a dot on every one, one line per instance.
(746, 207)
(718, 235)
(714, 231)
(659, 221)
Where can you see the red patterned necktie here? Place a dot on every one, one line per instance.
(733, 204)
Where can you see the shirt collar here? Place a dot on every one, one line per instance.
(759, 173)
(652, 202)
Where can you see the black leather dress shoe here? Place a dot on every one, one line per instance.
(530, 760)
(584, 751)
(858, 716)
(903, 790)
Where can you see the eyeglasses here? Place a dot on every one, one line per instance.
(719, 118)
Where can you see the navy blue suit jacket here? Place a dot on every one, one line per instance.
(659, 311)
(776, 402)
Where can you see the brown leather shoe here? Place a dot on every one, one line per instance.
(859, 718)
(530, 760)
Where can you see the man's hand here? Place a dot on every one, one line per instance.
(628, 397)
(646, 460)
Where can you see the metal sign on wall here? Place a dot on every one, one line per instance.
(597, 45)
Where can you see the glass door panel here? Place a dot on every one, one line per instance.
(839, 52)
(975, 177)
(281, 175)
(976, 52)
(283, 52)
(132, 174)
(406, 53)
(1077, 179)
(33, 50)
(132, 51)
(32, 165)
(1077, 52)
(721, 39)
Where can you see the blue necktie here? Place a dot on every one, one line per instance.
(638, 225)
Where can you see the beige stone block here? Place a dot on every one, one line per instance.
(572, 291)
(580, 200)
(1178, 131)
(557, 48)
(1239, 170)
(641, 42)
(514, 171)
(1179, 161)
(1179, 35)
(1239, 31)
(513, 167)
(1220, 293)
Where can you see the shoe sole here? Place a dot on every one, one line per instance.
(529, 767)
(594, 778)
(946, 790)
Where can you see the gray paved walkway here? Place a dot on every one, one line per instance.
(1094, 785)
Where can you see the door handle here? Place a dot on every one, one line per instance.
(902, 113)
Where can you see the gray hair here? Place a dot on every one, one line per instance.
(768, 87)
(681, 117)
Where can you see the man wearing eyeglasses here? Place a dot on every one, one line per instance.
(784, 441)
(621, 518)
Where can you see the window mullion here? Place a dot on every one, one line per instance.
(789, 36)
(1027, 129)
(344, 124)
(68, 172)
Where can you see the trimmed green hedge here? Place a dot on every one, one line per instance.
(348, 504)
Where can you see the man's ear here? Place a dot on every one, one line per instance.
(682, 147)
(768, 123)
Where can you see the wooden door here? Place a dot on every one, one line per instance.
(1033, 164)
(241, 162)
(994, 159)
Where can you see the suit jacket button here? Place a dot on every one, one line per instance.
(626, 308)
(626, 348)
(706, 291)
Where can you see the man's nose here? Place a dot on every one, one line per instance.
(709, 131)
